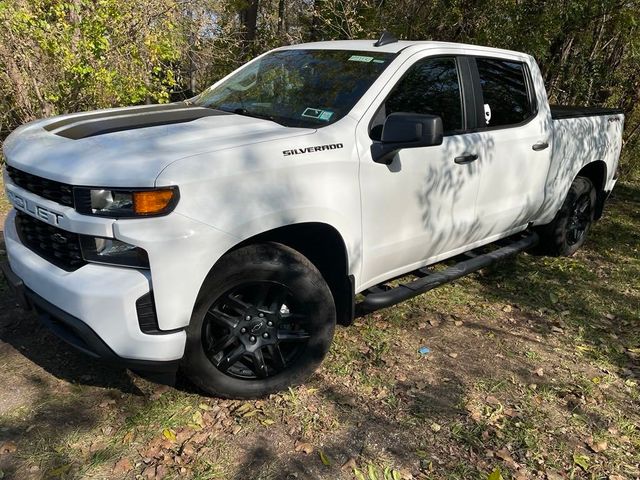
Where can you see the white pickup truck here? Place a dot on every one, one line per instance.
(228, 234)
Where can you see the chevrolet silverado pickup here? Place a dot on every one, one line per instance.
(225, 236)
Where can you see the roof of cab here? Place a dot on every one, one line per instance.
(395, 47)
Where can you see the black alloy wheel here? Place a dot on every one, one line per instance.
(568, 230)
(579, 219)
(263, 321)
(251, 331)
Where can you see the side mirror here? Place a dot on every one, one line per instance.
(406, 130)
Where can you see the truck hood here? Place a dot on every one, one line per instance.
(129, 147)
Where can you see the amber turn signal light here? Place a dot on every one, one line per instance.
(152, 202)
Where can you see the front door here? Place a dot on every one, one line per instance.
(422, 205)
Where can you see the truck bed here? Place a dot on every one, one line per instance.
(561, 111)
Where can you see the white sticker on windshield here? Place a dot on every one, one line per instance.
(360, 58)
(318, 114)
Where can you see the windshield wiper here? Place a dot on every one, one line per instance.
(247, 113)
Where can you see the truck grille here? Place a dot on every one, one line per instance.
(51, 190)
(58, 246)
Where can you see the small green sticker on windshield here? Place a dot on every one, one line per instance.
(360, 58)
(312, 113)
(318, 114)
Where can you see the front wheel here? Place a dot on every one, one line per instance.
(264, 320)
(568, 230)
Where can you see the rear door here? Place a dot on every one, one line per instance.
(515, 134)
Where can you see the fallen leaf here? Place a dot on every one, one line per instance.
(556, 329)
(122, 466)
(458, 323)
(436, 427)
(371, 472)
(157, 393)
(149, 473)
(323, 458)
(128, 438)
(495, 475)
(597, 447)
(507, 308)
(200, 437)
(197, 420)
(581, 460)
(358, 474)
(540, 372)
(304, 447)
(350, 464)
(453, 355)
(169, 434)
(205, 407)
(553, 476)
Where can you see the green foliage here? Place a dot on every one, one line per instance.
(68, 55)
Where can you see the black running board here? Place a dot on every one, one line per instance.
(382, 296)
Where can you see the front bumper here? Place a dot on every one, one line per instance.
(93, 308)
(77, 333)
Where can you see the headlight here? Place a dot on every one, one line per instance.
(126, 203)
(113, 252)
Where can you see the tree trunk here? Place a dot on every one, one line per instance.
(281, 17)
(249, 23)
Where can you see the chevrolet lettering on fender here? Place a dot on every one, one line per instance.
(227, 235)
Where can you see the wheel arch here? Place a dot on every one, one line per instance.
(325, 247)
(596, 172)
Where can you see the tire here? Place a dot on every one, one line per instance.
(568, 230)
(263, 321)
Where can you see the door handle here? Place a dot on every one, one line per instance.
(540, 146)
(464, 159)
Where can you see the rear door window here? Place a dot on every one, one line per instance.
(505, 94)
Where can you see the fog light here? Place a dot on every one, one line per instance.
(113, 252)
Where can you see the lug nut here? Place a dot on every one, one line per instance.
(265, 335)
(243, 330)
(261, 315)
(252, 338)
(270, 323)
(248, 317)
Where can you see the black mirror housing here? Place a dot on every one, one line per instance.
(406, 130)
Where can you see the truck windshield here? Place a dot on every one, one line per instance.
(298, 88)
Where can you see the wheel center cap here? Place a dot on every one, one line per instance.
(257, 327)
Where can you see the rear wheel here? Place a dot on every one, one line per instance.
(264, 320)
(568, 230)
